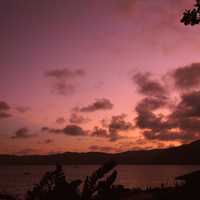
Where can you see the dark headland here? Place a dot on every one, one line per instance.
(185, 154)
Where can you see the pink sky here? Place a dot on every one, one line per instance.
(60, 55)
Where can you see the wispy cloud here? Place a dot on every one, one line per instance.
(99, 104)
(23, 133)
(76, 118)
(60, 120)
(63, 80)
(4, 110)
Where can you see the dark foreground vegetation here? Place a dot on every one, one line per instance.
(100, 186)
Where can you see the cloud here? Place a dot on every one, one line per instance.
(4, 106)
(148, 86)
(146, 118)
(63, 88)
(151, 103)
(189, 106)
(187, 77)
(23, 109)
(45, 129)
(4, 109)
(63, 80)
(23, 133)
(177, 123)
(60, 120)
(99, 104)
(118, 123)
(76, 118)
(65, 73)
(100, 132)
(113, 128)
(4, 115)
(70, 130)
(74, 130)
(104, 133)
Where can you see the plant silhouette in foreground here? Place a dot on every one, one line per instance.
(96, 188)
(192, 16)
(53, 186)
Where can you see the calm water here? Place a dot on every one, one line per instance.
(13, 179)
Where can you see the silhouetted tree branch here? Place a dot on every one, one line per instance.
(53, 186)
(192, 16)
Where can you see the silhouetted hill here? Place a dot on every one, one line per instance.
(185, 154)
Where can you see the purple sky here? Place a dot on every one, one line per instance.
(97, 75)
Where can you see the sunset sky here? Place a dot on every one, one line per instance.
(97, 75)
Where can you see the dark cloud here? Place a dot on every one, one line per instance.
(181, 123)
(100, 132)
(63, 88)
(104, 133)
(51, 130)
(112, 129)
(187, 77)
(115, 136)
(22, 133)
(4, 115)
(99, 104)
(146, 118)
(44, 129)
(74, 130)
(148, 86)
(4, 106)
(4, 109)
(76, 118)
(60, 120)
(23, 109)
(65, 73)
(189, 105)
(63, 80)
(169, 135)
(151, 103)
(71, 130)
(157, 126)
(118, 123)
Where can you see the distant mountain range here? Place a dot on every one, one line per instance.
(185, 154)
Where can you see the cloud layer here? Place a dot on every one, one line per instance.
(155, 116)
(63, 80)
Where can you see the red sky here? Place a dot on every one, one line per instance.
(97, 75)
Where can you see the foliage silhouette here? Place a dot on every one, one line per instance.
(97, 188)
(7, 197)
(192, 16)
(100, 186)
(53, 186)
